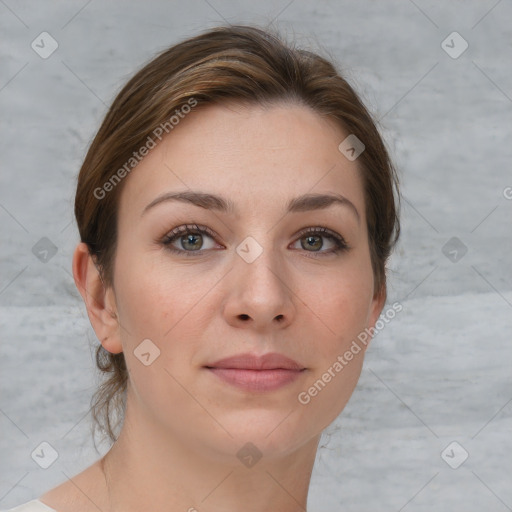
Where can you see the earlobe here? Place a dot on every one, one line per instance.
(99, 299)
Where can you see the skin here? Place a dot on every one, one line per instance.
(183, 425)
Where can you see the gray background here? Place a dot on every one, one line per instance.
(438, 373)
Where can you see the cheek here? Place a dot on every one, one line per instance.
(156, 302)
(153, 296)
(340, 309)
(340, 305)
(338, 357)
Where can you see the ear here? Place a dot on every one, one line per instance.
(99, 300)
(377, 304)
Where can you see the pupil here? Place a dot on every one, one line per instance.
(311, 241)
(190, 239)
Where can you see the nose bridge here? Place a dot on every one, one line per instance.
(261, 262)
(261, 288)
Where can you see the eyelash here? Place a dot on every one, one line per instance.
(178, 232)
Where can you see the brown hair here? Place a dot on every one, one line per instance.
(234, 63)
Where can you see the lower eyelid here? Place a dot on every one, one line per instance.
(333, 250)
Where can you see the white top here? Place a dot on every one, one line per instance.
(31, 506)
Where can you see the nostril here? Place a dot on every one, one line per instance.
(244, 317)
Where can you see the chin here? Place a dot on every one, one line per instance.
(274, 432)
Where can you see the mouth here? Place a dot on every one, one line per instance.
(257, 373)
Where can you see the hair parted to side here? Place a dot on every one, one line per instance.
(234, 63)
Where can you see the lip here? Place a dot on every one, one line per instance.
(251, 372)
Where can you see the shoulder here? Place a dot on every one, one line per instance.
(31, 506)
(82, 493)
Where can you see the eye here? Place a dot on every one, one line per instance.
(190, 237)
(311, 238)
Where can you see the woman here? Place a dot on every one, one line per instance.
(236, 211)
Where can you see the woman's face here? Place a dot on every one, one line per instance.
(256, 283)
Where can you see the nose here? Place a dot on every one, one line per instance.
(260, 293)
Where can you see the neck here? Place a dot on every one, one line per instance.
(149, 469)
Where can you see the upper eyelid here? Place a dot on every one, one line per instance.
(190, 227)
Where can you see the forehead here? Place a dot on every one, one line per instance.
(259, 157)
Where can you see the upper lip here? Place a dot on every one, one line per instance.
(271, 361)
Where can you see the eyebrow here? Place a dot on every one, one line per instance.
(306, 202)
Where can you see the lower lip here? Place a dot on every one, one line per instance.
(257, 380)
